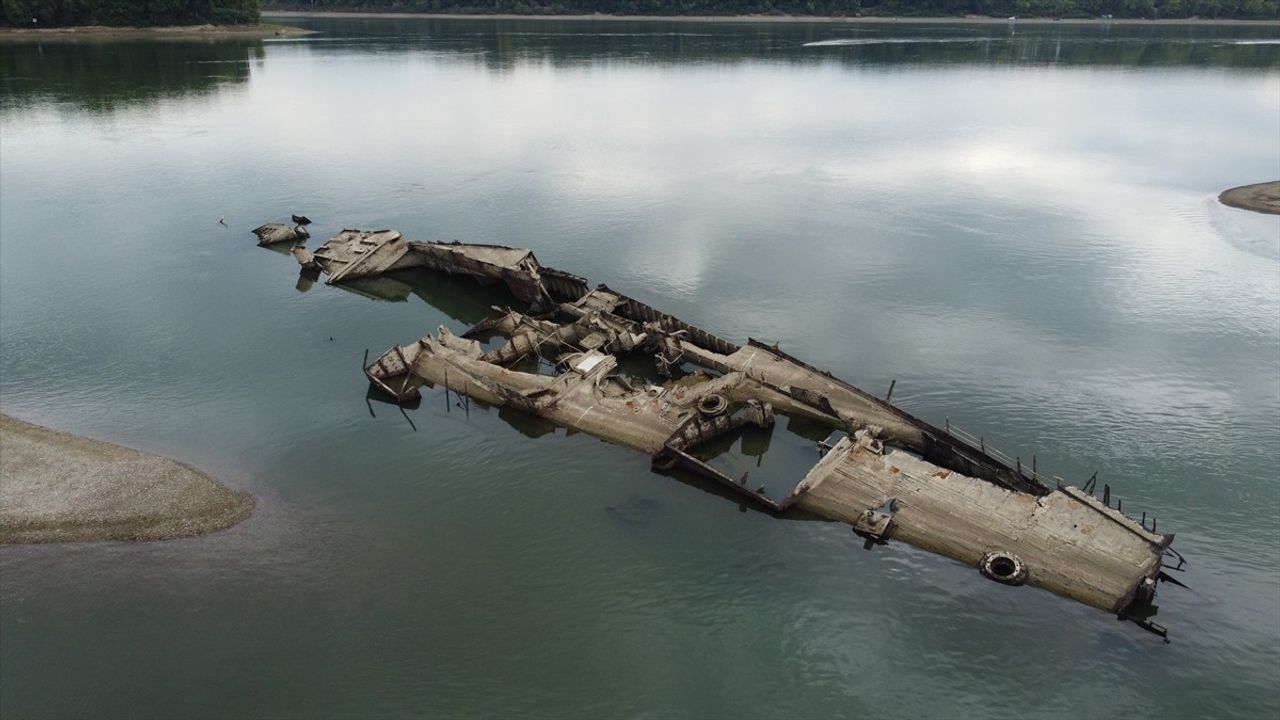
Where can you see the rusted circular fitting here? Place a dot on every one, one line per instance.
(663, 460)
(1003, 567)
(712, 404)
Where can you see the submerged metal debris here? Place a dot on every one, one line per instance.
(273, 233)
(890, 475)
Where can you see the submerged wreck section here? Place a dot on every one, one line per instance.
(890, 475)
(1065, 541)
(276, 233)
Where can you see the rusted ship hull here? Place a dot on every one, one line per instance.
(892, 475)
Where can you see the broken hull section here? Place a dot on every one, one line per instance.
(892, 477)
(1066, 541)
(276, 233)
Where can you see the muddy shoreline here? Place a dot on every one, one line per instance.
(60, 487)
(177, 32)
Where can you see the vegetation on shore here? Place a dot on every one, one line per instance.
(127, 13)
(1148, 9)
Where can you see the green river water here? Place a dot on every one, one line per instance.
(1016, 222)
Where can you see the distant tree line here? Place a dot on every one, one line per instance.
(136, 13)
(1151, 9)
(51, 13)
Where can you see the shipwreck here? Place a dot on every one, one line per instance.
(886, 473)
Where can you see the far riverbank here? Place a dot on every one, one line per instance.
(177, 32)
(965, 19)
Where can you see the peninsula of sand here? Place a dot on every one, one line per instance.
(1260, 197)
(59, 487)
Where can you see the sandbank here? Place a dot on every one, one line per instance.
(1259, 197)
(59, 487)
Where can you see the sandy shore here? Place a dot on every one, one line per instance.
(58, 487)
(970, 19)
(178, 32)
(1260, 197)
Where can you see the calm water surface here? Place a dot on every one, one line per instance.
(1016, 222)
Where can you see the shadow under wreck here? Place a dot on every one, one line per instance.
(884, 472)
